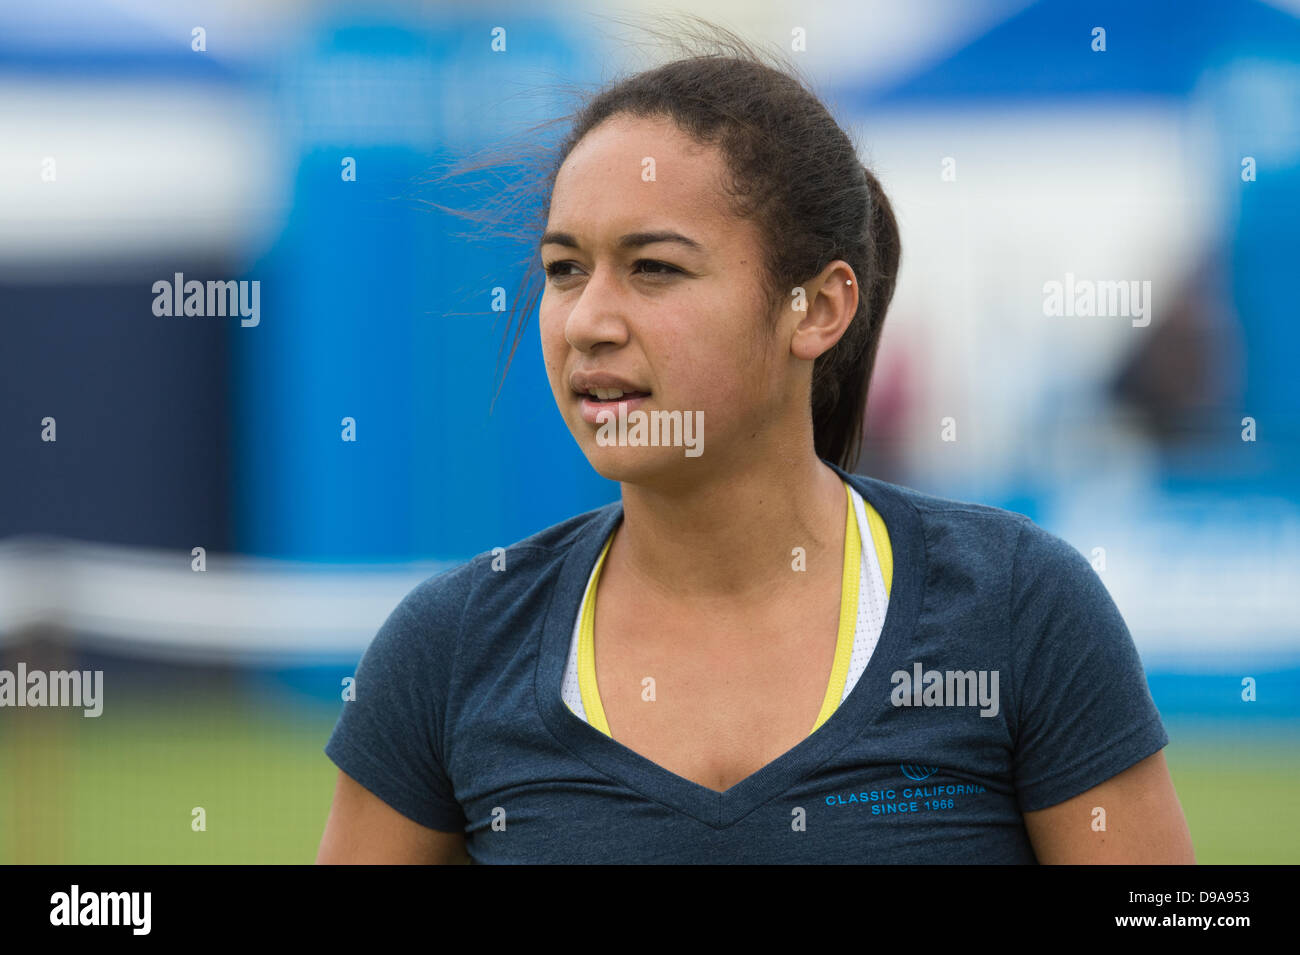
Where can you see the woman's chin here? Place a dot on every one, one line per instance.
(635, 465)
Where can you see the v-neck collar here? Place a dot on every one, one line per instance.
(846, 628)
(721, 809)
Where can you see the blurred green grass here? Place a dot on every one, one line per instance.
(121, 790)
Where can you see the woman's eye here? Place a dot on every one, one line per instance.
(648, 266)
(659, 265)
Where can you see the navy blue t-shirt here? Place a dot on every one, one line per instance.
(1004, 681)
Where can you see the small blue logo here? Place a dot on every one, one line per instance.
(918, 772)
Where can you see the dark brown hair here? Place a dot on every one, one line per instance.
(792, 170)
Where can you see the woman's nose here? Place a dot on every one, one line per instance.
(598, 316)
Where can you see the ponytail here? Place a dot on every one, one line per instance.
(842, 376)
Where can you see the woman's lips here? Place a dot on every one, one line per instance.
(593, 406)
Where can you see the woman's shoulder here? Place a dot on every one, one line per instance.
(1009, 550)
(949, 528)
(496, 582)
(932, 506)
(1046, 592)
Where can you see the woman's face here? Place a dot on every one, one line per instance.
(681, 321)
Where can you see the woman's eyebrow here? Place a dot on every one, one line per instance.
(632, 240)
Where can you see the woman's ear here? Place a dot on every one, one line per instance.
(829, 304)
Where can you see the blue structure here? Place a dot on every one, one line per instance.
(1242, 58)
(374, 311)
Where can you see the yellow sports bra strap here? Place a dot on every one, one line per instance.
(848, 614)
(587, 651)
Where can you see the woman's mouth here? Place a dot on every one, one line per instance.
(593, 405)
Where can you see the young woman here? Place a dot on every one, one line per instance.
(755, 656)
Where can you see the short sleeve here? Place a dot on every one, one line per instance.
(1084, 712)
(390, 738)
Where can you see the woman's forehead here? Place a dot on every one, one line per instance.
(641, 174)
(650, 156)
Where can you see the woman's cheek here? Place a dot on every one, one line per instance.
(552, 353)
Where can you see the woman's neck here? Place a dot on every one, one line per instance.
(732, 536)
